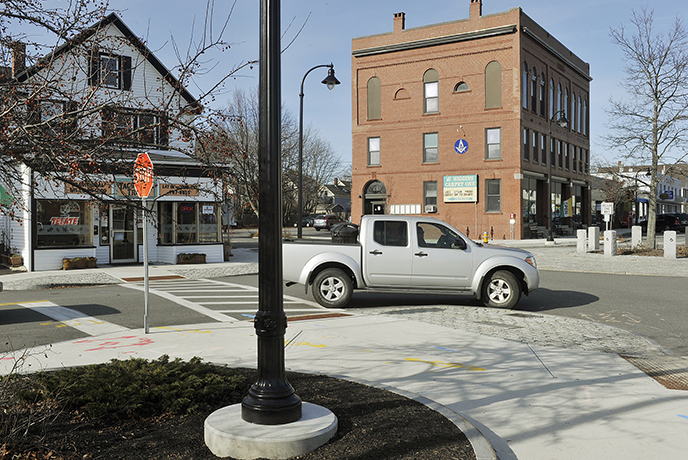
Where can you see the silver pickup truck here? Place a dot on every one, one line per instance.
(412, 254)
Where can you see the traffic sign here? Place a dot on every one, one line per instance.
(143, 175)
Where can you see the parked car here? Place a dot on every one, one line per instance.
(668, 221)
(407, 254)
(326, 221)
(305, 222)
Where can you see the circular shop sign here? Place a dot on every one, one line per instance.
(461, 146)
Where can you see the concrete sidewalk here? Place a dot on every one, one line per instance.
(528, 402)
(525, 401)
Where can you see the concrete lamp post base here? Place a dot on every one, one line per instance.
(228, 435)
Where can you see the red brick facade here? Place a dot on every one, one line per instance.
(404, 109)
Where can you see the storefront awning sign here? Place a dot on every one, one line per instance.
(143, 175)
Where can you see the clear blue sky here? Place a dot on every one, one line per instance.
(583, 26)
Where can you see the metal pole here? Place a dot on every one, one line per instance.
(299, 223)
(271, 399)
(145, 264)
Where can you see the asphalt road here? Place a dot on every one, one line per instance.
(648, 305)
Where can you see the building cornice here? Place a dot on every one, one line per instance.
(549, 48)
(436, 41)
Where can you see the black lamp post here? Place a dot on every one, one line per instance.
(331, 82)
(563, 122)
(271, 399)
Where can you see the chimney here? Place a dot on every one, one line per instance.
(399, 22)
(476, 9)
(18, 58)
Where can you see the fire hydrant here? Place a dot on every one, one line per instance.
(485, 237)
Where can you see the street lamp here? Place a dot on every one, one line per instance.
(563, 122)
(331, 82)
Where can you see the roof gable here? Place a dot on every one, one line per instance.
(114, 20)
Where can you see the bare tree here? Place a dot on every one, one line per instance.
(232, 142)
(59, 118)
(651, 125)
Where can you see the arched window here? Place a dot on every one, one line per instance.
(559, 97)
(431, 91)
(543, 88)
(402, 93)
(533, 90)
(566, 104)
(524, 86)
(551, 98)
(584, 117)
(374, 99)
(574, 112)
(461, 87)
(579, 113)
(493, 85)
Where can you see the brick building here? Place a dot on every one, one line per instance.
(470, 121)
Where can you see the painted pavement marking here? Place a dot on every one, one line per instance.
(73, 318)
(199, 295)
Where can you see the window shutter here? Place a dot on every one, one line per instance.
(108, 116)
(164, 133)
(94, 67)
(72, 118)
(125, 65)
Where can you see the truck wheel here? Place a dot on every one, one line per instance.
(502, 290)
(332, 288)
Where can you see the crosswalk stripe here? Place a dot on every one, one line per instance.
(73, 318)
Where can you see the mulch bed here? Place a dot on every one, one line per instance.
(373, 424)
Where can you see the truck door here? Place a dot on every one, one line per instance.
(438, 258)
(387, 257)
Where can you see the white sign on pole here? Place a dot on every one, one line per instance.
(607, 208)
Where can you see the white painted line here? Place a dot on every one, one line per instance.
(190, 305)
(74, 318)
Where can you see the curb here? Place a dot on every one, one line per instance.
(481, 446)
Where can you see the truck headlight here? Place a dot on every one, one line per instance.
(531, 260)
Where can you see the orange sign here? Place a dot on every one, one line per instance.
(143, 175)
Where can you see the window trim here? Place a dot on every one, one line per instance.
(489, 195)
(137, 129)
(379, 151)
(123, 72)
(427, 198)
(431, 79)
(487, 144)
(426, 148)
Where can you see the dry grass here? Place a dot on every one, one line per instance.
(681, 252)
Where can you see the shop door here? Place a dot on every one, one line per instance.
(123, 234)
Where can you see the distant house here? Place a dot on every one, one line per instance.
(627, 187)
(335, 198)
(132, 96)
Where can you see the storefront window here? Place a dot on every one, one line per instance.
(186, 223)
(64, 223)
(194, 223)
(166, 216)
(208, 223)
(104, 233)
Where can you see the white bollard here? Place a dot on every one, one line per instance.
(593, 239)
(610, 243)
(670, 244)
(636, 236)
(582, 244)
